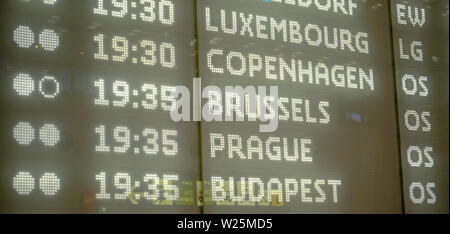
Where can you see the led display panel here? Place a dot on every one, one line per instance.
(85, 100)
(224, 106)
(421, 58)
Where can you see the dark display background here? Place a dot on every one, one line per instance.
(364, 144)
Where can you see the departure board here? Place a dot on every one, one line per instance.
(335, 146)
(85, 99)
(224, 106)
(421, 54)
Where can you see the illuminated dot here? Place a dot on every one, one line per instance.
(23, 133)
(50, 2)
(23, 84)
(135, 92)
(23, 183)
(133, 16)
(49, 184)
(49, 135)
(49, 40)
(135, 105)
(24, 37)
(135, 60)
(136, 151)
